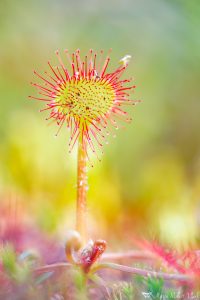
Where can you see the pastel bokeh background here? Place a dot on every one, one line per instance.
(148, 182)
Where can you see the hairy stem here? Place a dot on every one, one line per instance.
(142, 272)
(53, 267)
(81, 205)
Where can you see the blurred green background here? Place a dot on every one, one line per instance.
(148, 182)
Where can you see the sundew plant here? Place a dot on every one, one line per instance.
(90, 102)
(89, 97)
